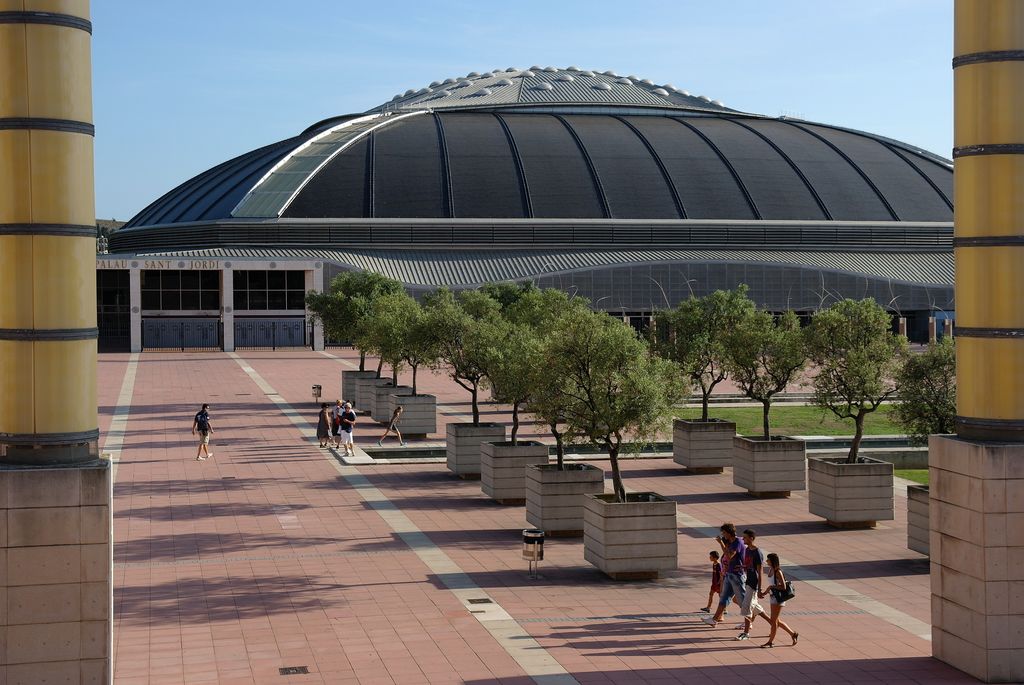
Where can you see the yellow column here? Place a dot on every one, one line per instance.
(988, 68)
(47, 234)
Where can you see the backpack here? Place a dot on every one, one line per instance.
(203, 422)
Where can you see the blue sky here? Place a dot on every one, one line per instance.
(180, 87)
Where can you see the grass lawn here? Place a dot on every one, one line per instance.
(916, 475)
(796, 420)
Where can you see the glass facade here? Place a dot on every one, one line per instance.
(270, 290)
(113, 309)
(181, 290)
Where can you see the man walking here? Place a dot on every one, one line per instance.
(201, 423)
(733, 550)
(753, 569)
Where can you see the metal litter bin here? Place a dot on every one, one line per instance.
(533, 548)
(317, 392)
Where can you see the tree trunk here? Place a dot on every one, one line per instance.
(414, 367)
(515, 423)
(766, 406)
(857, 436)
(380, 366)
(476, 405)
(362, 360)
(705, 397)
(394, 375)
(620, 491)
(559, 447)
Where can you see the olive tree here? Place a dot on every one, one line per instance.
(857, 357)
(927, 383)
(543, 309)
(764, 354)
(613, 386)
(398, 329)
(511, 351)
(344, 307)
(693, 336)
(463, 345)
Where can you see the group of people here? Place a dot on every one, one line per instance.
(337, 425)
(741, 572)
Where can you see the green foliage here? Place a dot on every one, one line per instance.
(512, 351)
(764, 355)
(507, 294)
(927, 384)
(610, 383)
(545, 310)
(344, 308)
(463, 343)
(397, 328)
(693, 336)
(857, 357)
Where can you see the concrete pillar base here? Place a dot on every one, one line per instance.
(976, 519)
(55, 573)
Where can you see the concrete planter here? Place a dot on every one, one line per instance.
(769, 468)
(365, 389)
(419, 414)
(503, 469)
(917, 519)
(349, 391)
(630, 540)
(381, 409)
(851, 495)
(703, 446)
(463, 446)
(554, 498)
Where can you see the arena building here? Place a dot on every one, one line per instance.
(630, 193)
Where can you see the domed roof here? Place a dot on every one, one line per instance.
(548, 85)
(566, 143)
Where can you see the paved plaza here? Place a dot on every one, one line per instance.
(273, 554)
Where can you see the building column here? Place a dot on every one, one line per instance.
(135, 301)
(227, 307)
(55, 519)
(315, 281)
(977, 478)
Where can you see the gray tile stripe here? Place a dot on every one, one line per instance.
(221, 560)
(114, 440)
(838, 590)
(526, 651)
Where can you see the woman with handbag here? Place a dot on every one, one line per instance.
(778, 593)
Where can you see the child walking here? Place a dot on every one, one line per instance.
(716, 580)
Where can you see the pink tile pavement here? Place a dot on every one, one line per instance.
(263, 557)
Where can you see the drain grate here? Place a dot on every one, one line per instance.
(294, 670)
(227, 477)
(480, 600)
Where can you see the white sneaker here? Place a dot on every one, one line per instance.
(710, 620)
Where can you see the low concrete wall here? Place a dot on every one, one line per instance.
(419, 414)
(349, 390)
(917, 519)
(773, 467)
(703, 446)
(463, 446)
(633, 539)
(503, 468)
(381, 410)
(851, 495)
(365, 389)
(554, 499)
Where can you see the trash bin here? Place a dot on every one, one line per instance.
(533, 544)
(316, 392)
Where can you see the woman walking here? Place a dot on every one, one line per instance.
(323, 426)
(393, 427)
(774, 571)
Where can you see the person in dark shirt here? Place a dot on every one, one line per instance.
(732, 556)
(201, 424)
